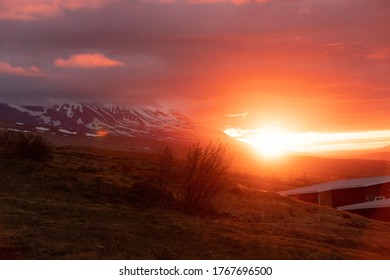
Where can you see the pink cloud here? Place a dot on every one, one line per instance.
(218, 1)
(87, 61)
(31, 71)
(31, 10)
(308, 11)
(236, 2)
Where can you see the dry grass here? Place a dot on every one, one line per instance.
(82, 206)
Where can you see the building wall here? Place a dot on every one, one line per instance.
(377, 190)
(342, 197)
(350, 196)
(325, 198)
(381, 214)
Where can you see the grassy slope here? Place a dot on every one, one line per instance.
(81, 206)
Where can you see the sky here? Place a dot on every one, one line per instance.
(303, 65)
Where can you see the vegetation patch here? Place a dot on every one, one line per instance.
(24, 145)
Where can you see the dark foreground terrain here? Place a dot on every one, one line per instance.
(91, 205)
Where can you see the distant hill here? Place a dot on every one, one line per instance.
(370, 154)
(334, 168)
(376, 154)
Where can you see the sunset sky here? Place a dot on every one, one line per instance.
(317, 68)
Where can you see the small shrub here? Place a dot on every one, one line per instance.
(196, 179)
(206, 172)
(25, 145)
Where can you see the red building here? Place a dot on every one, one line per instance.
(341, 193)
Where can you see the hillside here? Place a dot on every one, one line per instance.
(91, 204)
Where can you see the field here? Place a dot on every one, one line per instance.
(91, 204)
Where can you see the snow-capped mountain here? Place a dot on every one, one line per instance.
(93, 120)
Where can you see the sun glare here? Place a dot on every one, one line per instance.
(274, 142)
(270, 141)
(102, 132)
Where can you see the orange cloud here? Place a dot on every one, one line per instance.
(241, 115)
(87, 61)
(31, 10)
(32, 71)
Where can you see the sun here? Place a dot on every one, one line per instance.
(270, 141)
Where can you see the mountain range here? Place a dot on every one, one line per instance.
(97, 120)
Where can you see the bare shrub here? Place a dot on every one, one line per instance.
(196, 179)
(24, 145)
(206, 172)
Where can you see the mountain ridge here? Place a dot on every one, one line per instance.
(89, 120)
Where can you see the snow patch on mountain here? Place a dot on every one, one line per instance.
(66, 131)
(42, 128)
(24, 110)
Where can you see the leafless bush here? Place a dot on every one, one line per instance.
(206, 172)
(24, 145)
(195, 179)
